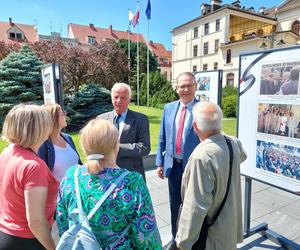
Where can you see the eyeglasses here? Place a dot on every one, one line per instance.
(187, 86)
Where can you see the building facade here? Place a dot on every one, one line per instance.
(221, 33)
(56, 36)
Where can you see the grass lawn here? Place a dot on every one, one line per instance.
(154, 115)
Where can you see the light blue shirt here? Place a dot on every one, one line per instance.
(187, 119)
(121, 121)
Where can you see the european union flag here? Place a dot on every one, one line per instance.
(148, 10)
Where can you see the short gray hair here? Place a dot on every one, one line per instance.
(188, 74)
(208, 116)
(121, 85)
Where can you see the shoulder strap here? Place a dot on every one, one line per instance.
(228, 181)
(106, 194)
(77, 190)
(102, 199)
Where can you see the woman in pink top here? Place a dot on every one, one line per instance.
(28, 190)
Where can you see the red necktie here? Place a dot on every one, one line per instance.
(180, 130)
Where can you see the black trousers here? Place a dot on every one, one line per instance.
(10, 242)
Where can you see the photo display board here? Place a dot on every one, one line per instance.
(209, 86)
(49, 78)
(269, 116)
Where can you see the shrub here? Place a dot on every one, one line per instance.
(229, 104)
(163, 96)
(87, 103)
(229, 90)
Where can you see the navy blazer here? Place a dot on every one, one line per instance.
(46, 151)
(134, 140)
(165, 148)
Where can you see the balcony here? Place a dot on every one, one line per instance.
(241, 29)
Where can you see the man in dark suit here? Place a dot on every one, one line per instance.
(177, 140)
(133, 129)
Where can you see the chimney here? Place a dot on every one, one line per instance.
(215, 4)
(262, 10)
(92, 26)
(10, 21)
(110, 30)
(236, 4)
(205, 8)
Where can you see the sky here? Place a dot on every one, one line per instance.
(55, 15)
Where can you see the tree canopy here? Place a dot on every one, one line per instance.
(20, 79)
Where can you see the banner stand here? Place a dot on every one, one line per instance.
(262, 228)
(263, 77)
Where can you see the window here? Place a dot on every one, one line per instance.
(205, 48)
(215, 65)
(91, 40)
(230, 79)
(165, 74)
(196, 32)
(205, 67)
(19, 36)
(12, 35)
(15, 35)
(228, 56)
(216, 45)
(195, 50)
(194, 68)
(296, 27)
(217, 24)
(206, 29)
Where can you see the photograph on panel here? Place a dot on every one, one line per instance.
(278, 159)
(280, 79)
(279, 119)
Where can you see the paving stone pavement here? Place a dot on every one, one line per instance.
(279, 209)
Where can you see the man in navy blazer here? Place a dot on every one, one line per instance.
(175, 145)
(134, 135)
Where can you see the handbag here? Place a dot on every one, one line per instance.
(200, 244)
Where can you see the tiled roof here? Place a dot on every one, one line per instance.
(160, 51)
(82, 32)
(29, 31)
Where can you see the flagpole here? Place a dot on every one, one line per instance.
(138, 67)
(148, 14)
(148, 65)
(128, 54)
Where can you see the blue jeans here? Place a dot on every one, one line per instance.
(174, 181)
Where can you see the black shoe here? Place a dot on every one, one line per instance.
(171, 246)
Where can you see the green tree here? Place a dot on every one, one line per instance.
(160, 90)
(153, 64)
(20, 80)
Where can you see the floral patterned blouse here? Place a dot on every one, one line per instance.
(129, 203)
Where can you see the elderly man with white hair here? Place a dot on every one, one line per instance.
(213, 166)
(134, 135)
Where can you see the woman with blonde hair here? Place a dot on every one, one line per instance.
(126, 218)
(59, 151)
(28, 190)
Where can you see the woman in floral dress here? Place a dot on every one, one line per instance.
(128, 204)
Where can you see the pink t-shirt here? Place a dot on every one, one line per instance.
(20, 170)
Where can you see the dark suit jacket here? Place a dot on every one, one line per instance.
(134, 140)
